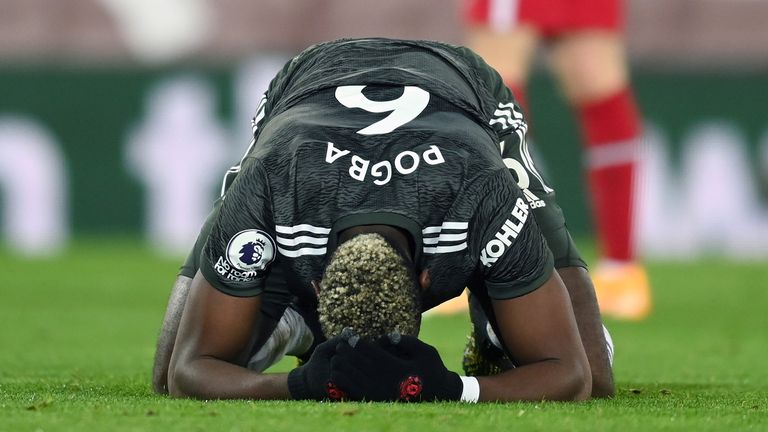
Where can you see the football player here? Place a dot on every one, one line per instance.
(384, 177)
(588, 59)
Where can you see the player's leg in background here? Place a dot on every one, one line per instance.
(507, 46)
(512, 54)
(494, 32)
(592, 70)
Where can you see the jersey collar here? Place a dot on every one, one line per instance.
(377, 218)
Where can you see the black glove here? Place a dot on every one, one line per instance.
(312, 379)
(393, 368)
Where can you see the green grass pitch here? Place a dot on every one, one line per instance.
(77, 336)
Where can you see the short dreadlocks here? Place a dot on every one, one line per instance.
(369, 287)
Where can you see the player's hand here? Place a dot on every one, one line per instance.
(312, 380)
(393, 368)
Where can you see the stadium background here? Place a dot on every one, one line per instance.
(95, 95)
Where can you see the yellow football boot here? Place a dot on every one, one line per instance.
(623, 291)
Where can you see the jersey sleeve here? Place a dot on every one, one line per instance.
(514, 257)
(240, 247)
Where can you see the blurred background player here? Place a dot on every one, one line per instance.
(588, 59)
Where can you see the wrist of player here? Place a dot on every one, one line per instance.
(470, 389)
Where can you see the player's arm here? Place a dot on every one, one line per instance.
(213, 332)
(168, 331)
(176, 302)
(222, 309)
(540, 329)
(180, 291)
(531, 306)
(590, 323)
(568, 263)
(512, 139)
(210, 350)
(539, 325)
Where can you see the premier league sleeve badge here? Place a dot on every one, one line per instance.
(248, 253)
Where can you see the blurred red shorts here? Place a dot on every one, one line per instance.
(549, 17)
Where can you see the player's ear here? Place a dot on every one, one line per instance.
(316, 286)
(424, 280)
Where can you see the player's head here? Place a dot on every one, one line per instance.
(371, 287)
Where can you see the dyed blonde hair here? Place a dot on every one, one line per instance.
(369, 287)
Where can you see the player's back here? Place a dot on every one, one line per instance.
(451, 72)
(376, 125)
(375, 132)
(336, 161)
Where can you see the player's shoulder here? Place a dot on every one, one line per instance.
(459, 53)
(495, 186)
(489, 185)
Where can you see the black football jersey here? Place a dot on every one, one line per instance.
(378, 131)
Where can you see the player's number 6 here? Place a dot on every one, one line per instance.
(403, 109)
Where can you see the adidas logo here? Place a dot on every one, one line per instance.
(507, 116)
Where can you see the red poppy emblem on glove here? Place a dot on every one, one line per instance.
(334, 393)
(410, 388)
